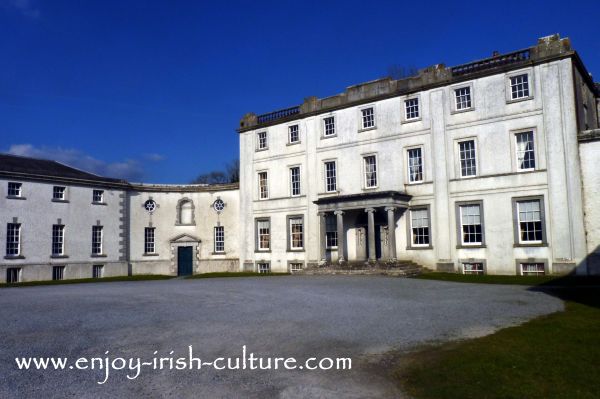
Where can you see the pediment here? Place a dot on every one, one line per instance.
(185, 238)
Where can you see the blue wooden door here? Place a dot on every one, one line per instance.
(184, 261)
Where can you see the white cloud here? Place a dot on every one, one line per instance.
(129, 169)
(25, 7)
(154, 157)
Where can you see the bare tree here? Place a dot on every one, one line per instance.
(230, 175)
(233, 171)
(402, 72)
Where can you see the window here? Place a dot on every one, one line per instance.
(415, 165)
(13, 239)
(331, 236)
(98, 196)
(185, 211)
(468, 160)
(470, 224)
(530, 221)
(263, 185)
(58, 239)
(96, 240)
(532, 269)
(261, 142)
(264, 267)
(263, 228)
(370, 162)
(13, 275)
(149, 246)
(519, 86)
(419, 227)
(329, 126)
(98, 271)
(14, 189)
(293, 134)
(296, 238)
(58, 193)
(368, 117)
(463, 98)
(296, 267)
(525, 151)
(411, 107)
(473, 268)
(219, 239)
(295, 180)
(58, 272)
(330, 177)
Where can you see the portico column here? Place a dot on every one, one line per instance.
(391, 232)
(322, 236)
(371, 233)
(340, 234)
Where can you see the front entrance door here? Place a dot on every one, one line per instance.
(184, 261)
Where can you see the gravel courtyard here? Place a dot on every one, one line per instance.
(358, 317)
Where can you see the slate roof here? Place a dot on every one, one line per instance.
(33, 167)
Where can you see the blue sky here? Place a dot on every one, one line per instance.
(153, 90)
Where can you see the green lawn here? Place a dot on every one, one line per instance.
(561, 281)
(89, 280)
(554, 356)
(235, 274)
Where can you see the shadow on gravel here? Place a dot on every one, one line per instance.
(580, 289)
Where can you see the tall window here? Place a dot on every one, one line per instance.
(331, 235)
(263, 185)
(149, 246)
(468, 158)
(58, 193)
(419, 226)
(263, 229)
(415, 165)
(58, 239)
(219, 239)
(368, 117)
(96, 240)
(411, 108)
(293, 134)
(295, 180)
(370, 163)
(296, 233)
(525, 151)
(530, 221)
(98, 196)
(14, 189)
(329, 126)
(470, 224)
(519, 86)
(463, 98)
(261, 141)
(13, 239)
(330, 176)
(58, 272)
(186, 212)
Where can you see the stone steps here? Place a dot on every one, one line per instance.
(399, 268)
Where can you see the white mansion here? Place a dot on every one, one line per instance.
(486, 167)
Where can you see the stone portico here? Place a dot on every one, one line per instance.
(373, 216)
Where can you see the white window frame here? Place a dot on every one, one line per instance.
(58, 273)
(532, 272)
(97, 239)
(58, 194)
(454, 89)
(412, 231)
(530, 84)
(259, 235)
(296, 266)
(58, 239)
(324, 126)
(366, 173)
(293, 220)
(13, 239)
(295, 184)
(472, 269)
(331, 235)
(219, 239)
(461, 224)
(263, 267)
(519, 202)
(406, 105)
(408, 166)
(97, 196)
(333, 179)
(97, 271)
(459, 157)
(515, 134)
(297, 131)
(149, 240)
(263, 190)
(259, 146)
(14, 186)
(361, 116)
(17, 272)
